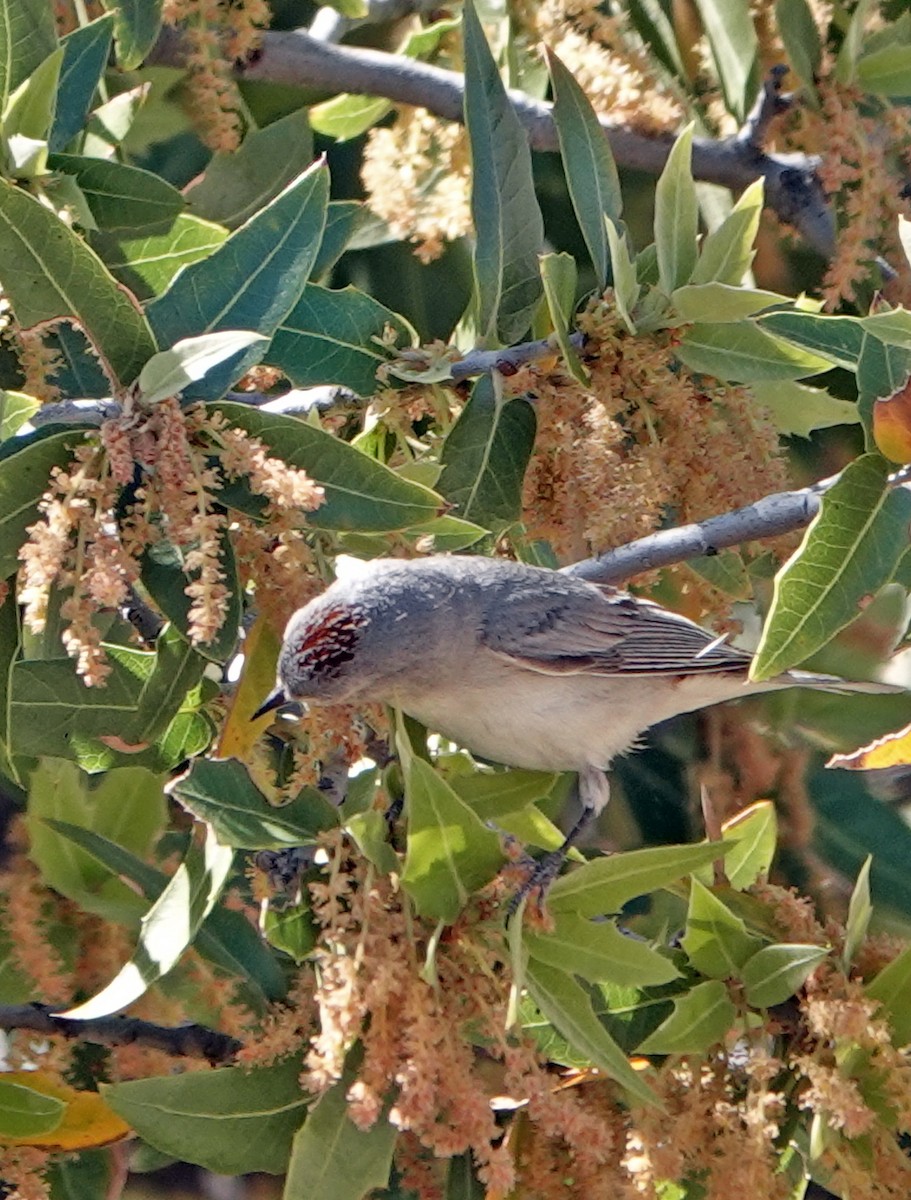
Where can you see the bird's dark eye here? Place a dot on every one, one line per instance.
(327, 646)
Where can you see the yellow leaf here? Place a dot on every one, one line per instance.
(87, 1122)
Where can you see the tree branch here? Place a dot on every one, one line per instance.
(188, 1041)
(792, 187)
(771, 516)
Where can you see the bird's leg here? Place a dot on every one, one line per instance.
(594, 793)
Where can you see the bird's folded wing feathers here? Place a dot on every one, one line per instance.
(610, 633)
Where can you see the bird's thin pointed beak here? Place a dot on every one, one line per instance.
(275, 699)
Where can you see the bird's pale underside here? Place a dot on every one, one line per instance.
(521, 665)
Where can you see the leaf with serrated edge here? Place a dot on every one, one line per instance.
(849, 551)
(49, 273)
(569, 1010)
(775, 973)
(604, 885)
(329, 337)
(167, 929)
(509, 231)
(701, 1018)
(222, 793)
(599, 952)
(676, 216)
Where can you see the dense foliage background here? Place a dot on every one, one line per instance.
(283, 285)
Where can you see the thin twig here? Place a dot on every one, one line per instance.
(187, 1041)
(792, 186)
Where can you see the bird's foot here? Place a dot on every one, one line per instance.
(546, 869)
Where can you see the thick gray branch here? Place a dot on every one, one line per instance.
(768, 517)
(792, 187)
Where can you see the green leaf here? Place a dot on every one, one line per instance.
(849, 824)
(729, 28)
(222, 793)
(569, 1010)
(716, 941)
(53, 713)
(146, 264)
(676, 216)
(27, 36)
(361, 493)
(591, 174)
(238, 183)
(177, 670)
(742, 352)
(331, 1159)
(890, 988)
(170, 371)
(701, 1019)
(15, 409)
(838, 339)
(25, 1113)
(801, 39)
(348, 115)
(887, 71)
(509, 231)
(166, 581)
(49, 273)
(136, 26)
(721, 302)
(485, 456)
(229, 1120)
(291, 930)
(623, 266)
(252, 281)
(604, 885)
(775, 973)
(450, 853)
(754, 838)
(30, 109)
(860, 910)
(849, 551)
(125, 805)
(727, 252)
(881, 370)
(447, 534)
(798, 408)
(494, 794)
(168, 928)
(119, 196)
(329, 337)
(343, 219)
(559, 276)
(598, 952)
(227, 938)
(893, 327)
(25, 468)
(85, 56)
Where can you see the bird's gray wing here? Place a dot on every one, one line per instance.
(601, 631)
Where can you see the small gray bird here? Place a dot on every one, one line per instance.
(521, 665)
